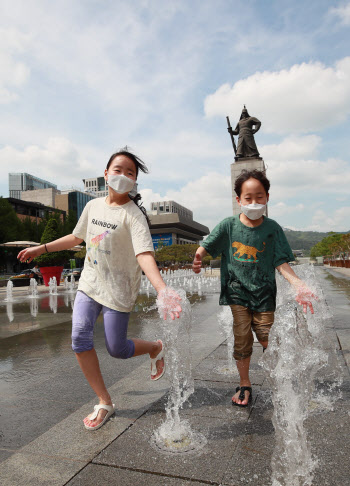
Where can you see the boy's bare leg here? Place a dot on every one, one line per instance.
(88, 362)
(264, 344)
(243, 370)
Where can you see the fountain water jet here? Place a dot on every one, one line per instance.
(225, 319)
(71, 284)
(9, 291)
(53, 286)
(33, 288)
(296, 353)
(175, 435)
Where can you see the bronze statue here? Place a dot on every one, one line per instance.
(245, 129)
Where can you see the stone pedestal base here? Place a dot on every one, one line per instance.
(236, 169)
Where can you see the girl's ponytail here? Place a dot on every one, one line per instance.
(137, 201)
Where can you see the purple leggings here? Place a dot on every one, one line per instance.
(85, 314)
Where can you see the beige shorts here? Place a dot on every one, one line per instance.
(244, 322)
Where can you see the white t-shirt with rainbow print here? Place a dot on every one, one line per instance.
(114, 236)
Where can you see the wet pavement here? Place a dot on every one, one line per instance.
(43, 398)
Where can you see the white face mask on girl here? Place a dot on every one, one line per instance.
(253, 211)
(121, 184)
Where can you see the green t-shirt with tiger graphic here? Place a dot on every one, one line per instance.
(249, 257)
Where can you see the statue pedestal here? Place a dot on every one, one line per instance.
(246, 163)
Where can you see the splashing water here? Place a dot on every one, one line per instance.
(34, 307)
(187, 280)
(71, 284)
(175, 435)
(33, 289)
(53, 286)
(296, 354)
(225, 319)
(53, 303)
(9, 291)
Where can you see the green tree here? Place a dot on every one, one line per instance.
(178, 254)
(30, 230)
(70, 223)
(324, 247)
(11, 228)
(52, 232)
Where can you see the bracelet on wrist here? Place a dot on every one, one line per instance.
(47, 251)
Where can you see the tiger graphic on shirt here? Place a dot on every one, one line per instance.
(250, 251)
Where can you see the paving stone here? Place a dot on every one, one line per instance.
(95, 475)
(19, 423)
(210, 399)
(211, 370)
(250, 463)
(133, 449)
(329, 440)
(5, 454)
(36, 469)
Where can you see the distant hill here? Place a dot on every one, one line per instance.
(303, 240)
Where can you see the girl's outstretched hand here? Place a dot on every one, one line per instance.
(168, 303)
(304, 297)
(28, 254)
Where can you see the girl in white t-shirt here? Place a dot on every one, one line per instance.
(118, 246)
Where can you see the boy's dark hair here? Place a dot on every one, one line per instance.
(251, 174)
(140, 166)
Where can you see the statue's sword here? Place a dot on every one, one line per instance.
(233, 140)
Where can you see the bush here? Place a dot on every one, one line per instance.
(54, 258)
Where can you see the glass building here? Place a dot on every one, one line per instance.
(21, 181)
(77, 201)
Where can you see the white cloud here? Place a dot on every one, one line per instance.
(292, 148)
(295, 170)
(305, 98)
(282, 209)
(13, 72)
(209, 197)
(342, 12)
(338, 220)
(59, 161)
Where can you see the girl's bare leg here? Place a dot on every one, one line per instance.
(90, 366)
(149, 347)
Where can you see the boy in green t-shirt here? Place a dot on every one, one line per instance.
(252, 246)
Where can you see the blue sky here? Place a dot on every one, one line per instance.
(79, 80)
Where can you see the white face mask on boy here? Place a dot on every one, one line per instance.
(121, 184)
(253, 211)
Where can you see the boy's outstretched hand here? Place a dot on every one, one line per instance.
(304, 297)
(197, 263)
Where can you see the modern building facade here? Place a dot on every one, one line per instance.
(33, 210)
(173, 224)
(65, 200)
(21, 181)
(72, 200)
(162, 207)
(96, 185)
(42, 196)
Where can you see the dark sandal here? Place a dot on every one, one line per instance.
(242, 396)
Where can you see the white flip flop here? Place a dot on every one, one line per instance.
(159, 356)
(110, 411)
